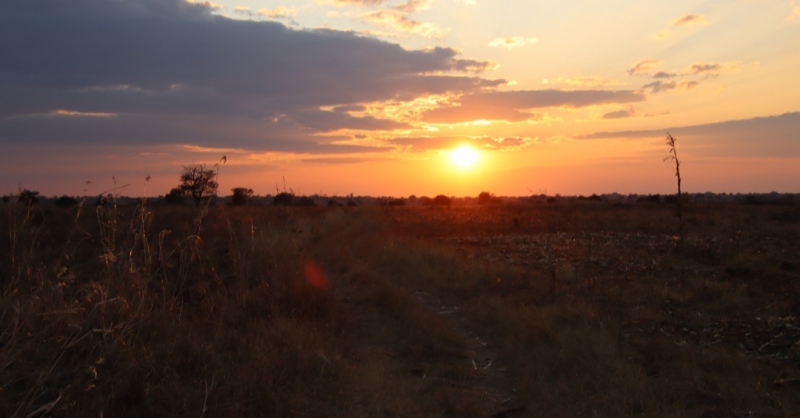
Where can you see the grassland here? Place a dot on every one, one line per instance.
(581, 309)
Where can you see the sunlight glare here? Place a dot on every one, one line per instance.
(464, 156)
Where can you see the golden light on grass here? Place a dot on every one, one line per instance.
(464, 156)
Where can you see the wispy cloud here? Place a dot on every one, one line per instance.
(619, 114)
(399, 21)
(688, 20)
(585, 81)
(278, 12)
(411, 6)
(682, 22)
(518, 106)
(644, 67)
(62, 112)
(352, 2)
(777, 136)
(660, 86)
(663, 74)
(705, 68)
(513, 42)
(485, 142)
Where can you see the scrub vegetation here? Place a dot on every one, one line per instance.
(578, 308)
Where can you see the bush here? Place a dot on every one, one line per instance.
(241, 195)
(65, 202)
(283, 199)
(441, 200)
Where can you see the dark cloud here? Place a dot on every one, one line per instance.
(513, 106)
(159, 63)
(773, 136)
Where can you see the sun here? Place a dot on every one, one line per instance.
(464, 156)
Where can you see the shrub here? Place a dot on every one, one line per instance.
(441, 200)
(66, 202)
(241, 195)
(283, 199)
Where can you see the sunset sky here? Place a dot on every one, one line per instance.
(370, 96)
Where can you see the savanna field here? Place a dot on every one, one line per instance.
(572, 309)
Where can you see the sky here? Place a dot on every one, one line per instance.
(370, 97)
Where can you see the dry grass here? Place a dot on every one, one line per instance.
(222, 311)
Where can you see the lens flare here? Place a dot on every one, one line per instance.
(315, 276)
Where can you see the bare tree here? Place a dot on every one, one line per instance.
(198, 183)
(674, 157)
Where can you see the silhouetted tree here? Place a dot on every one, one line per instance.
(283, 199)
(241, 195)
(484, 198)
(441, 200)
(198, 183)
(65, 202)
(28, 197)
(175, 196)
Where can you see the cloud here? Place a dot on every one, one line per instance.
(795, 14)
(662, 74)
(516, 106)
(660, 86)
(619, 114)
(414, 6)
(513, 42)
(773, 136)
(485, 143)
(349, 108)
(706, 69)
(352, 2)
(395, 17)
(172, 72)
(688, 20)
(280, 12)
(586, 81)
(684, 21)
(331, 121)
(399, 21)
(644, 67)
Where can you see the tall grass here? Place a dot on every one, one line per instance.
(278, 311)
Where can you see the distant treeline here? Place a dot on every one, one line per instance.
(484, 198)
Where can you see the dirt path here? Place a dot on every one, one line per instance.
(489, 381)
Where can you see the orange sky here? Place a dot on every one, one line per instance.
(370, 96)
